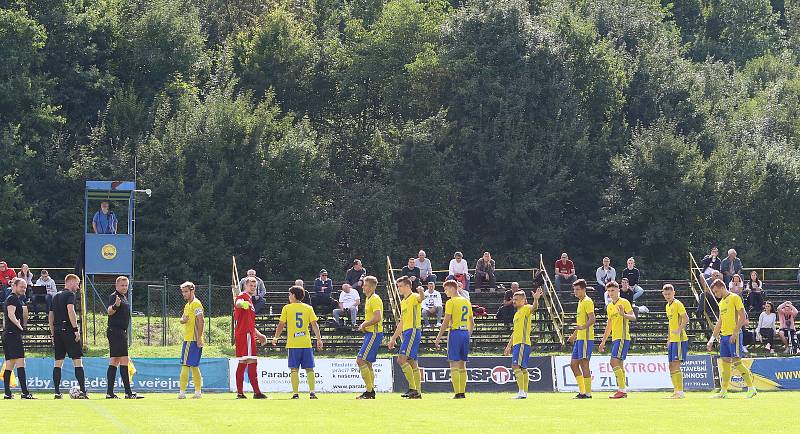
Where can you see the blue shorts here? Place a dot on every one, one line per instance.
(410, 345)
(458, 346)
(582, 349)
(301, 357)
(190, 354)
(731, 347)
(369, 349)
(678, 351)
(520, 355)
(619, 349)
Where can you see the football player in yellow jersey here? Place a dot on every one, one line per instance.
(193, 322)
(459, 320)
(410, 325)
(519, 344)
(373, 335)
(296, 317)
(583, 337)
(677, 341)
(619, 312)
(732, 318)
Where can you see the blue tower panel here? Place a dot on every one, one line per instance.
(109, 254)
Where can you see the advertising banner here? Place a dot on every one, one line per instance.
(484, 374)
(331, 375)
(149, 375)
(642, 373)
(776, 373)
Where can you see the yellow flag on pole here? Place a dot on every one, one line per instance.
(13, 377)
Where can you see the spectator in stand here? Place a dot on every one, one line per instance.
(412, 272)
(25, 274)
(765, 331)
(565, 271)
(708, 304)
(320, 297)
(7, 274)
(632, 274)
(45, 280)
(425, 269)
(461, 291)
(604, 274)
(355, 275)
(505, 313)
(736, 285)
(788, 332)
(459, 271)
(756, 292)
(484, 272)
(432, 305)
(104, 221)
(348, 305)
(260, 299)
(711, 262)
(731, 266)
(300, 283)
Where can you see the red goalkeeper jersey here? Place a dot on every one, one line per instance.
(245, 318)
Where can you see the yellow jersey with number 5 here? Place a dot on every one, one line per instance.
(298, 317)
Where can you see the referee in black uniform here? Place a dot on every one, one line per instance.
(119, 318)
(16, 315)
(66, 335)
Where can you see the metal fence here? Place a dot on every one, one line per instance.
(157, 307)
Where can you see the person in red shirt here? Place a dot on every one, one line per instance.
(246, 336)
(565, 271)
(7, 274)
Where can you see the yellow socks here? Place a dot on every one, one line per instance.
(417, 379)
(619, 373)
(587, 385)
(463, 379)
(525, 380)
(295, 381)
(677, 380)
(197, 377)
(184, 379)
(748, 379)
(408, 372)
(312, 380)
(725, 376)
(455, 375)
(518, 374)
(367, 375)
(581, 388)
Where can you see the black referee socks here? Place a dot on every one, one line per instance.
(111, 376)
(126, 380)
(7, 381)
(23, 381)
(79, 375)
(57, 379)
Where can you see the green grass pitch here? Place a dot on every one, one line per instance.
(435, 413)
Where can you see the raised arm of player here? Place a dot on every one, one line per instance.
(536, 296)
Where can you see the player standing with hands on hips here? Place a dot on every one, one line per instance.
(373, 335)
(193, 324)
(583, 337)
(66, 335)
(119, 319)
(246, 335)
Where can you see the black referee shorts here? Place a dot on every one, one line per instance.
(117, 342)
(64, 343)
(12, 346)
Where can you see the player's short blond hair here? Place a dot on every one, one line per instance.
(372, 281)
(451, 284)
(667, 287)
(188, 284)
(70, 277)
(250, 279)
(520, 294)
(121, 278)
(612, 284)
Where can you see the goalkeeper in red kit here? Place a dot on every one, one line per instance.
(246, 336)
